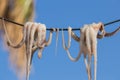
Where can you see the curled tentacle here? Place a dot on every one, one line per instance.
(69, 39)
(50, 38)
(24, 36)
(74, 59)
(41, 35)
(99, 36)
(9, 41)
(41, 39)
(101, 29)
(44, 43)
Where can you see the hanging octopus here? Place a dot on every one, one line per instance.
(88, 44)
(34, 35)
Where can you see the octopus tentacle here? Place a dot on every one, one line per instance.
(24, 36)
(66, 48)
(50, 38)
(99, 36)
(69, 39)
(41, 39)
(57, 34)
(29, 54)
(8, 39)
(75, 37)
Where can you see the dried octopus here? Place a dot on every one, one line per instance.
(88, 44)
(34, 35)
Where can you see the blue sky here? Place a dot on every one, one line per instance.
(74, 13)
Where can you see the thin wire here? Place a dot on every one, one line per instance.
(112, 22)
(64, 29)
(8, 20)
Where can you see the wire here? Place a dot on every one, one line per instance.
(64, 29)
(111, 22)
(8, 20)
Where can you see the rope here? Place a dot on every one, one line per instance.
(64, 29)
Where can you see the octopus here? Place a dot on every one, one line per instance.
(88, 44)
(34, 36)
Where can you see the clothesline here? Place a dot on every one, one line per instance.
(60, 29)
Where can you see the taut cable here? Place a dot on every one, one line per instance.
(64, 29)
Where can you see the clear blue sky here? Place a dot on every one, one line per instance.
(74, 13)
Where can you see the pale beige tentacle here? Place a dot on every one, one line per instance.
(45, 43)
(41, 39)
(69, 39)
(76, 58)
(50, 38)
(29, 53)
(75, 37)
(28, 47)
(57, 36)
(40, 53)
(66, 48)
(23, 39)
(87, 67)
(99, 36)
(41, 34)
